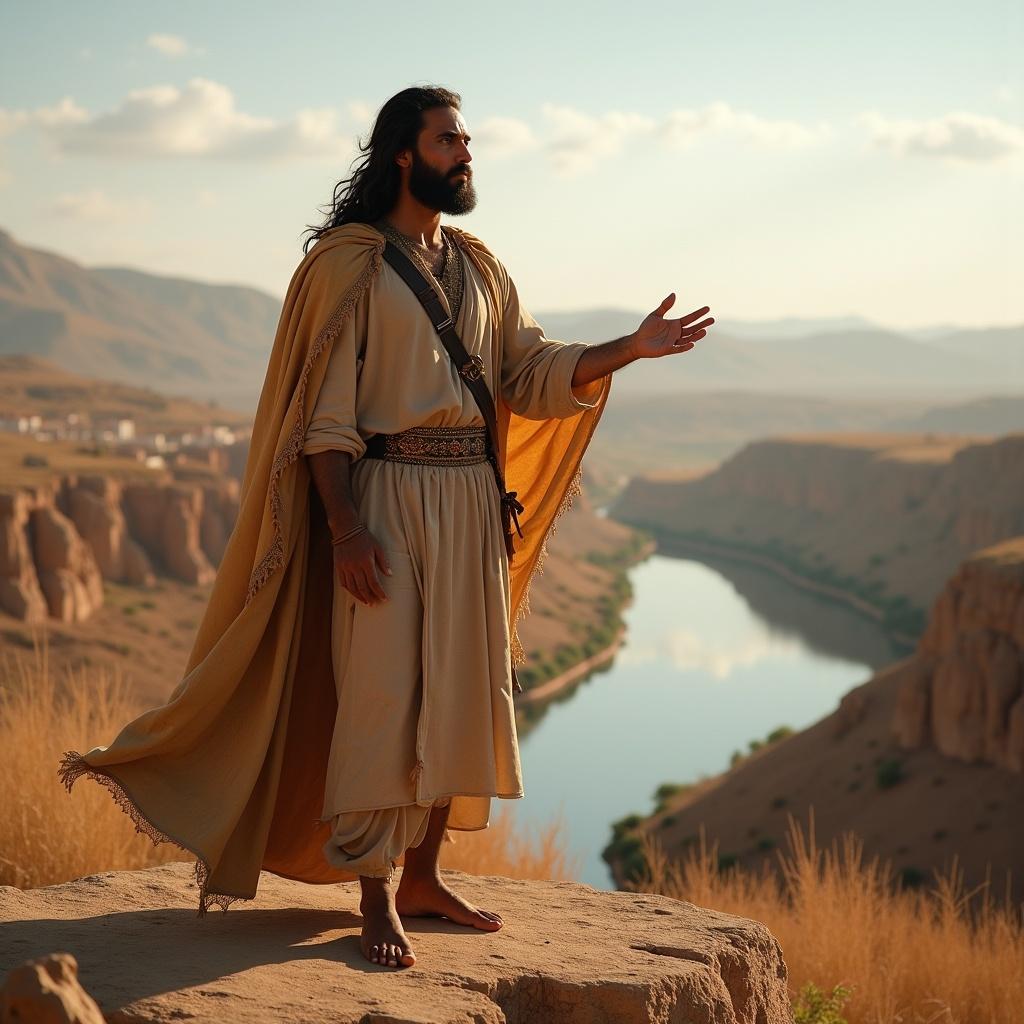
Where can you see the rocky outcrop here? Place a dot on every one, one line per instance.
(882, 518)
(20, 593)
(566, 953)
(94, 505)
(68, 574)
(47, 991)
(964, 693)
(59, 541)
(166, 522)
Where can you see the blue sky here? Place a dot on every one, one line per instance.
(794, 159)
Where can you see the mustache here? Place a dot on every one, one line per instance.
(461, 170)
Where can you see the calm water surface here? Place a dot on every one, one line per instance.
(716, 654)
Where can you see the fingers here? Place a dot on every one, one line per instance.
(666, 304)
(381, 559)
(690, 317)
(374, 585)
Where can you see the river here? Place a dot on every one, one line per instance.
(716, 654)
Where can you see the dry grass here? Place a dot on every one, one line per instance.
(499, 850)
(47, 836)
(923, 956)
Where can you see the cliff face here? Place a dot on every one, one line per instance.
(888, 517)
(566, 953)
(964, 694)
(59, 541)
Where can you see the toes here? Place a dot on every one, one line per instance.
(408, 957)
(393, 956)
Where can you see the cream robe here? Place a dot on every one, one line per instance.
(425, 705)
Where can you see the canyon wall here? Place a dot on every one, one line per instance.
(964, 691)
(883, 517)
(60, 540)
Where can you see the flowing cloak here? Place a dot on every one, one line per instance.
(232, 767)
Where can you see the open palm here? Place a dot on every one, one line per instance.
(657, 336)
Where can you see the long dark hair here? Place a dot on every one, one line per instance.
(372, 189)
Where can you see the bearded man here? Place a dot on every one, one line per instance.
(349, 697)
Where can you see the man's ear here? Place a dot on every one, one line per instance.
(404, 158)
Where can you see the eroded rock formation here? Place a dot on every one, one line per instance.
(60, 541)
(964, 692)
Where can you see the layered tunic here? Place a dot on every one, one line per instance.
(425, 709)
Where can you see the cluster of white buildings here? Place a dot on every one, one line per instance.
(119, 433)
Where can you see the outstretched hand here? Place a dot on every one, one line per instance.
(657, 336)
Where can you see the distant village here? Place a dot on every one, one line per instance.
(119, 436)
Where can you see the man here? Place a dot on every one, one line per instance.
(368, 492)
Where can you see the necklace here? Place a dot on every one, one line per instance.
(445, 268)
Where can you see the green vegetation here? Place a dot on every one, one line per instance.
(591, 638)
(775, 736)
(889, 773)
(814, 1006)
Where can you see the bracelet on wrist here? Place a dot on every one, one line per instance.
(349, 534)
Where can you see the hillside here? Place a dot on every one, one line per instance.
(923, 761)
(176, 335)
(879, 520)
(212, 340)
(32, 385)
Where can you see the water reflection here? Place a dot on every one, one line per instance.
(715, 656)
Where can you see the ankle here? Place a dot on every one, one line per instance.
(411, 875)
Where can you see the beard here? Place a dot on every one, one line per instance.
(439, 191)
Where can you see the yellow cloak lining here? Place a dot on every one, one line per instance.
(232, 767)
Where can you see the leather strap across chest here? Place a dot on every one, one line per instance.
(470, 368)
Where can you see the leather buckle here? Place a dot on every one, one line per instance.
(473, 368)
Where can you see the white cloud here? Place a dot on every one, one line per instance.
(167, 44)
(498, 137)
(576, 140)
(199, 120)
(65, 112)
(95, 206)
(958, 135)
(682, 128)
(361, 112)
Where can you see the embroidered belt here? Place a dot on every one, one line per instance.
(431, 446)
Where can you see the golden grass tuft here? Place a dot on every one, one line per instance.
(911, 956)
(49, 836)
(500, 850)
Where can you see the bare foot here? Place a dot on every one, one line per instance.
(430, 897)
(382, 939)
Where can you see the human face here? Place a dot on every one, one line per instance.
(440, 176)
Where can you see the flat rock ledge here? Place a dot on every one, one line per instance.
(567, 953)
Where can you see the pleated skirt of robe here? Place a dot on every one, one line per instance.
(425, 704)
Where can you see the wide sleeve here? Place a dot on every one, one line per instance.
(536, 372)
(333, 423)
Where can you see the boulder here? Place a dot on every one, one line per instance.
(567, 953)
(46, 991)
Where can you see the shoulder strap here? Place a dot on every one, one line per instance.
(471, 369)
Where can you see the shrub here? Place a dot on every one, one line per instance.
(813, 1006)
(889, 773)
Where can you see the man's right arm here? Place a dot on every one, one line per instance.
(332, 473)
(356, 560)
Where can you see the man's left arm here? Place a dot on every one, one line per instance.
(655, 337)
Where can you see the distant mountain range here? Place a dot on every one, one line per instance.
(212, 341)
